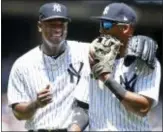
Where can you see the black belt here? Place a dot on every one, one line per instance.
(46, 130)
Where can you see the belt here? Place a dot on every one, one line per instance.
(46, 130)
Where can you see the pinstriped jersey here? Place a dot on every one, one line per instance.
(34, 70)
(106, 113)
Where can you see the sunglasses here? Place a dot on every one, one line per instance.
(107, 25)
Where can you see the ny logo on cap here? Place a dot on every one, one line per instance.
(57, 8)
(106, 10)
(125, 18)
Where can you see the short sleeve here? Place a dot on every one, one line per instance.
(17, 88)
(150, 85)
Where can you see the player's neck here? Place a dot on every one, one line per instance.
(53, 51)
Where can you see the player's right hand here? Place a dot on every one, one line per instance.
(44, 97)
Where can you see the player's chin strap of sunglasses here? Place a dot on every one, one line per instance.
(107, 25)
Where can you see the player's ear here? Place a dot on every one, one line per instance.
(39, 26)
(127, 29)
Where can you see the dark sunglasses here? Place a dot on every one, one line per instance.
(107, 25)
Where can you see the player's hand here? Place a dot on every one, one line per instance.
(44, 97)
(102, 55)
(75, 128)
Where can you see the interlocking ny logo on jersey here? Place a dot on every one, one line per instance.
(129, 84)
(72, 72)
(57, 8)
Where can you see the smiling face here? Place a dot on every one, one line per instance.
(53, 31)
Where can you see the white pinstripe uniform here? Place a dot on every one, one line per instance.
(105, 110)
(34, 70)
(106, 113)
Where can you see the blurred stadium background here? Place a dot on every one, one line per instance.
(19, 34)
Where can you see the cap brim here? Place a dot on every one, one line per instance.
(103, 18)
(57, 17)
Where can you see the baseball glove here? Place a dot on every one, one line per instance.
(103, 50)
(144, 50)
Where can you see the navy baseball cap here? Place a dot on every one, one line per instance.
(53, 11)
(119, 12)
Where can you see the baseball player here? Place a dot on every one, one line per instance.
(43, 80)
(125, 83)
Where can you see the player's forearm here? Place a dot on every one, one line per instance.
(132, 101)
(136, 103)
(25, 111)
